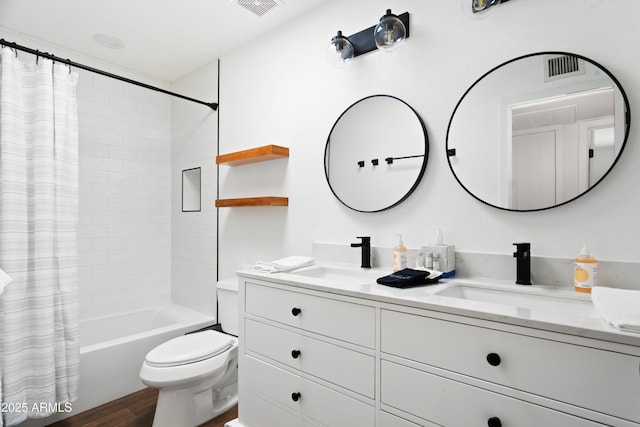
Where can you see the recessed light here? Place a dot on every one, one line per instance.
(108, 41)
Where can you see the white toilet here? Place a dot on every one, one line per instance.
(197, 374)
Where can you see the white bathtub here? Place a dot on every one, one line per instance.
(112, 349)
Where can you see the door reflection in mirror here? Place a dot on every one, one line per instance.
(553, 150)
(538, 131)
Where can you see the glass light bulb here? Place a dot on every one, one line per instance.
(389, 32)
(340, 50)
(478, 5)
(482, 5)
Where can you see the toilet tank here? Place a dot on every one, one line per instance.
(228, 305)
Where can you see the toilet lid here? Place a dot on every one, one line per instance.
(189, 349)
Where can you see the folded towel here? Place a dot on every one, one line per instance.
(284, 264)
(5, 279)
(620, 307)
(409, 277)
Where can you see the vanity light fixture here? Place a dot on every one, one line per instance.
(482, 5)
(389, 33)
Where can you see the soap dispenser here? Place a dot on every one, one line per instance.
(585, 271)
(399, 255)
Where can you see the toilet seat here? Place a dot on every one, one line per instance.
(189, 348)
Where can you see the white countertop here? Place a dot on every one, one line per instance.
(587, 323)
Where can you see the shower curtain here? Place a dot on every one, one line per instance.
(39, 348)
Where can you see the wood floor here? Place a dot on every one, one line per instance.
(134, 410)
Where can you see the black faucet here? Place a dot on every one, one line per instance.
(523, 263)
(365, 244)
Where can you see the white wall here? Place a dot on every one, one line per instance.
(281, 90)
(193, 236)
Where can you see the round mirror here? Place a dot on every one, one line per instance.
(538, 131)
(376, 153)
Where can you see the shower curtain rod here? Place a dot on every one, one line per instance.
(70, 63)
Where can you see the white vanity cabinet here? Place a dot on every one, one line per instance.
(305, 359)
(453, 372)
(314, 357)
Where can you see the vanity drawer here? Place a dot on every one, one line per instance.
(595, 379)
(256, 411)
(304, 397)
(386, 419)
(451, 403)
(338, 365)
(342, 320)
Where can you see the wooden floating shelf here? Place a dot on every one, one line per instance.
(253, 155)
(252, 201)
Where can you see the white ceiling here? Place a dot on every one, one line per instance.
(163, 38)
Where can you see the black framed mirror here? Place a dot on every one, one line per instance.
(376, 153)
(538, 131)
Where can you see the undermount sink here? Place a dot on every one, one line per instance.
(341, 273)
(524, 299)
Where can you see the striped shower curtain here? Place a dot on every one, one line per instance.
(39, 348)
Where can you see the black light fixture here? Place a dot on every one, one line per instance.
(389, 33)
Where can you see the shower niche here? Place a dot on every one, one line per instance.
(192, 190)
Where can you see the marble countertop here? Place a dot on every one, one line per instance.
(361, 283)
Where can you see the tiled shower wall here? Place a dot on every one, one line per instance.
(125, 196)
(194, 234)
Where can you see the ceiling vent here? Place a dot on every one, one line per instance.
(259, 7)
(560, 67)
